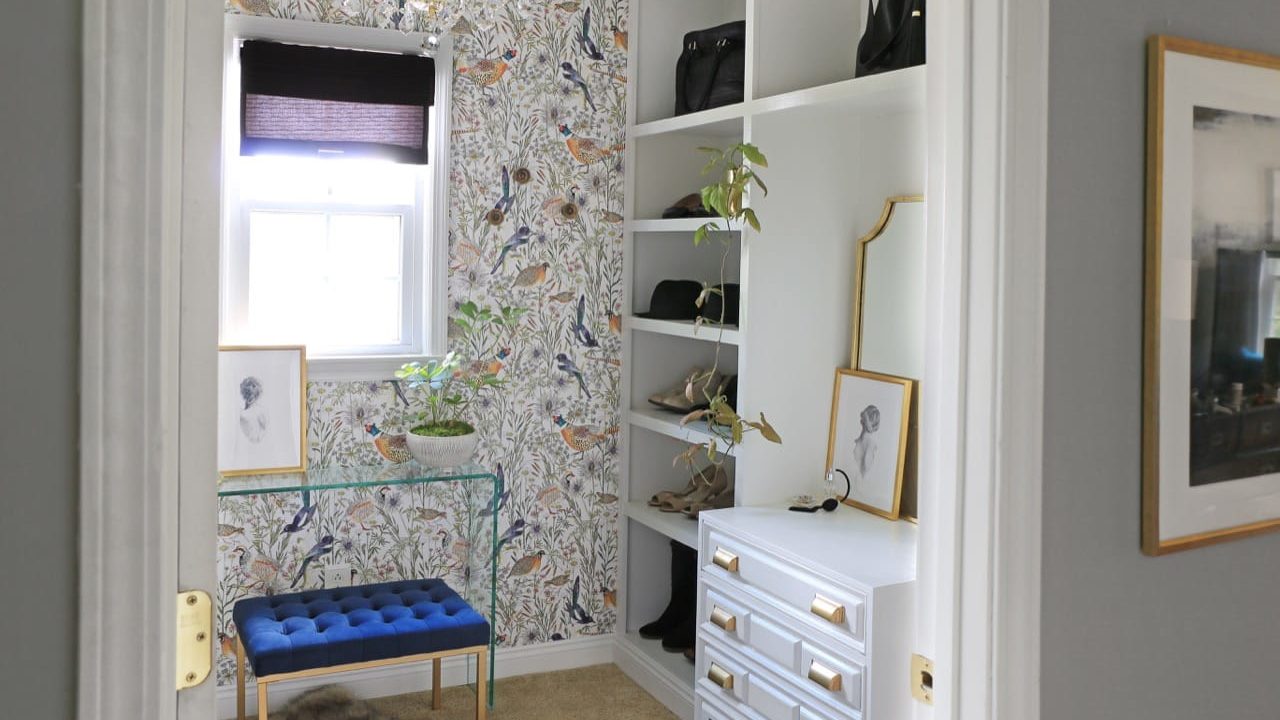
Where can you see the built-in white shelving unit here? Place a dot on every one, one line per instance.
(671, 525)
(686, 329)
(837, 147)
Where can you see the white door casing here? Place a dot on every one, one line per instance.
(979, 609)
(149, 221)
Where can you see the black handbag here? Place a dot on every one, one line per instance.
(712, 68)
(894, 38)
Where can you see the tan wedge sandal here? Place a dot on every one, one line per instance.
(705, 490)
(662, 496)
(718, 502)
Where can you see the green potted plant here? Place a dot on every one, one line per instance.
(734, 172)
(440, 437)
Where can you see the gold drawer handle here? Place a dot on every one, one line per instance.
(723, 620)
(826, 677)
(726, 560)
(832, 612)
(720, 676)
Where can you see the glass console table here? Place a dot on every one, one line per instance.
(460, 501)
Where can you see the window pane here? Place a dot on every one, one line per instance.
(328, 281)
(286, 252)
(365, 271)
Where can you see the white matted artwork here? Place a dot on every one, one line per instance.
(262, 412)
(1211, 398)
(869, 437)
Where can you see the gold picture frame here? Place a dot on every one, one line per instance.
(849, 456)
(224, 427)
(1179, 511)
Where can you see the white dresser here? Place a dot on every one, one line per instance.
(804, 617)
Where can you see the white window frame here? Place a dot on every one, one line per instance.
(425, 274)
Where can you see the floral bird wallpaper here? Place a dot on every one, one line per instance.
(536, 197)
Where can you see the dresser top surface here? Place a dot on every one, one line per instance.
(860, 547)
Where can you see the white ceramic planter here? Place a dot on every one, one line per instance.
(442, 452)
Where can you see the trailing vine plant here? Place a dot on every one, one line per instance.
(734, 171)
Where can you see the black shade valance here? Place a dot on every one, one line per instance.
(305, 100)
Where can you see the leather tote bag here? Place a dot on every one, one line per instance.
(894, 38)
(712, 68)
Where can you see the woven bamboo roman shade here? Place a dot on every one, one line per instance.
(316, 101)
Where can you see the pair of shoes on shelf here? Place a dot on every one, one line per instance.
(704, 477)
(677, 626)
(694, 392)
(716, 502)
(710, 489)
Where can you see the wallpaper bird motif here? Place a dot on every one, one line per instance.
(536, 196)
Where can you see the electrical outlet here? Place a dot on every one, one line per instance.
(336, 575)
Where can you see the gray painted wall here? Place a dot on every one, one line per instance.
(1194, 635)
(39, 316)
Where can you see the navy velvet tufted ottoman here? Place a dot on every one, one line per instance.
(286, 637)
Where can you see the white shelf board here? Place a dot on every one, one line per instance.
(673, 665)
(897, 90)
(668, 423)
(673, 525)
(688, 225)
(686, 329)
(723, 121)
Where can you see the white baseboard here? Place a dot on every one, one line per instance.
(398, 680)
(677, 696)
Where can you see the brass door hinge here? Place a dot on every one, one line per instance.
(195, 641)
(922, 679)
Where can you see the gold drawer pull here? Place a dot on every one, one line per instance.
(720, 676)
(722, 619)
(826, 677)
(726, 560)
(832, 612)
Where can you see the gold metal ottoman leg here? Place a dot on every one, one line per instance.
(239, 679)
(436, 701)
(262, 700)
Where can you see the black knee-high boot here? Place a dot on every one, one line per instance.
(684, 593)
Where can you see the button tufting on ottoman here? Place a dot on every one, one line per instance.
(329, 630)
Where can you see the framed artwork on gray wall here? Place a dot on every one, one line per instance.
(1211, 370)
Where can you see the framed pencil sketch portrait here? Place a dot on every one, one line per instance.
(262, 410)
(1211, 367)
(870, 416)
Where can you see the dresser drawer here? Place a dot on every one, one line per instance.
(757, 630)
(735, 682)
(708, 707)
(838, 609)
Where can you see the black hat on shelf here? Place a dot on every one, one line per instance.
(729, 296)
(674, 300)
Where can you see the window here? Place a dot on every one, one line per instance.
(331, 239)
(328, 253)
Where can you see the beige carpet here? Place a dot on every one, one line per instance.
(568, 695)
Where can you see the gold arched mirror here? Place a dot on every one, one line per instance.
(888, 304)
(888, 327)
